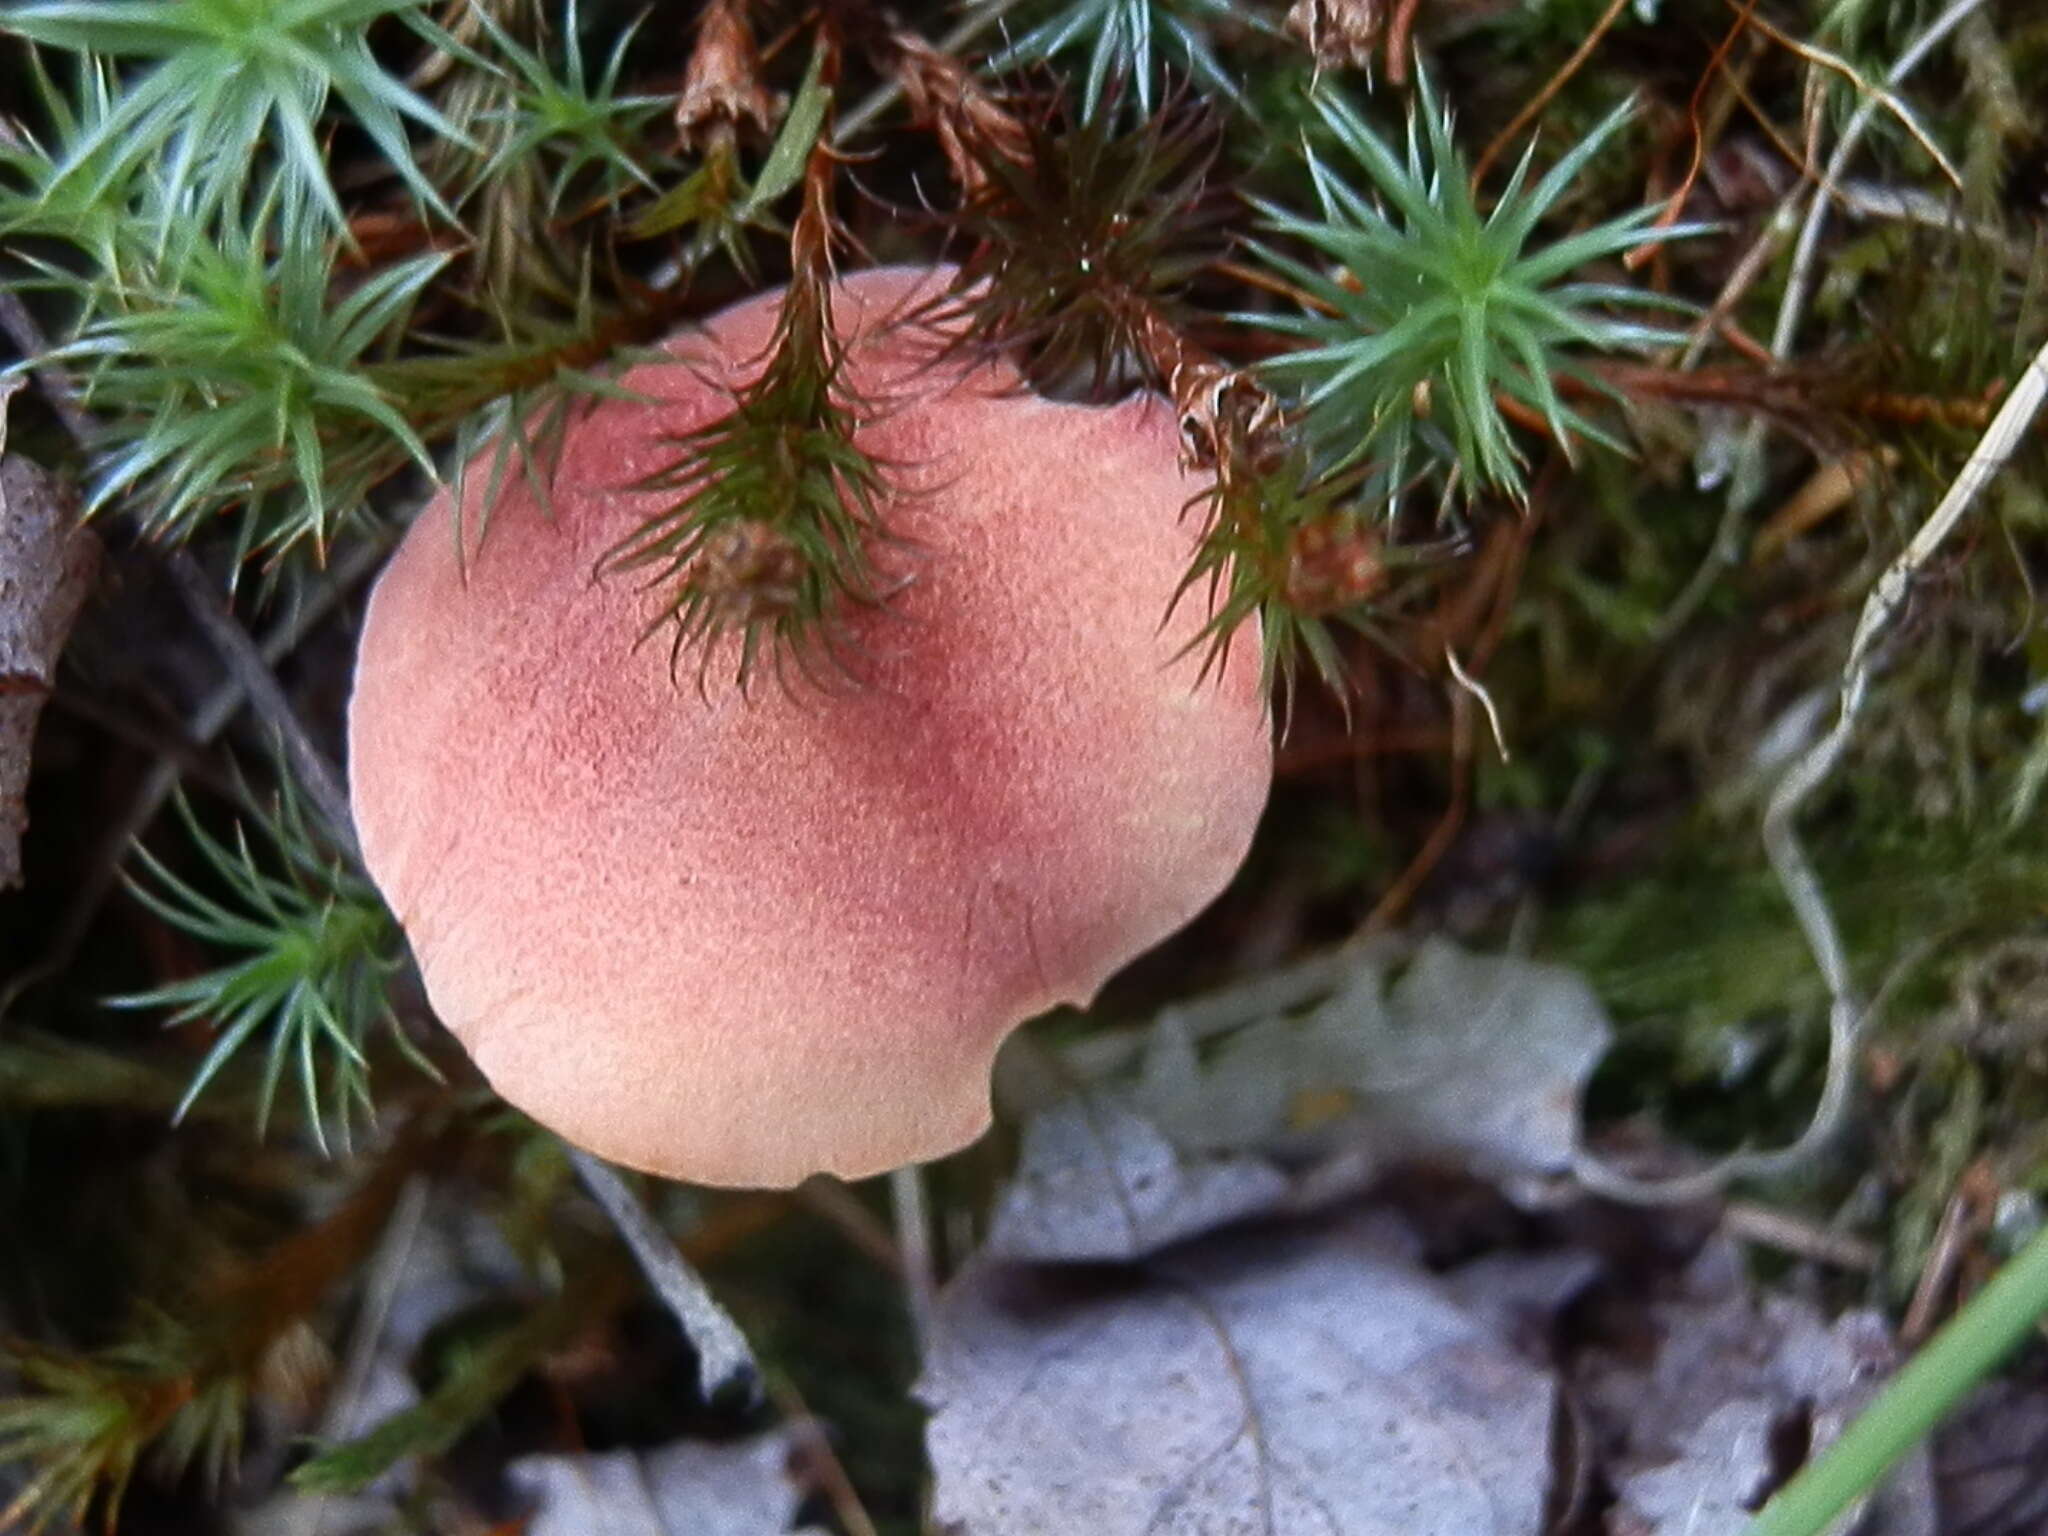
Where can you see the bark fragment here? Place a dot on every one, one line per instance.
(46, 568)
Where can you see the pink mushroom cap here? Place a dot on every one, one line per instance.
(744, 939)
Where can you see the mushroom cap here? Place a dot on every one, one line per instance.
(743, 939)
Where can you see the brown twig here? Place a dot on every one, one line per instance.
(1963, 1219)
(816, 1446)
(1401, 894)
(1387, 742)
(1535, 104)
(831, 1201)
(1676, 203)
(1400, 29)
(1876, 93)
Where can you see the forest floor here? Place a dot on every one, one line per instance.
(1625, 1041)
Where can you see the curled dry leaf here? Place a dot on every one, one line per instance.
(1341, 34)
(1314, 1380)
(1693, 1437)
(972, 126)
(1475, 1062)
(722, 85)
(1097, 1183)
(46, 568)
(690, 1488)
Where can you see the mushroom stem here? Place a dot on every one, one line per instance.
(914, 1247)
(723, 1356)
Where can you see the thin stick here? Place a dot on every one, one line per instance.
(1394, 903)
(323, 785)
(248, 665)
(1944, 1254)
(723, 1356)
(808, 1436)
(214, 714)
(1792, 308)
(1768, 1227)
(849, 1216)
(1787, 854)
(386, 1274)
(1675, 203)
(1400, 28)
(55, 384)
(1535, 104)
(1478, 690)
(1741, 278)
(1765, 246)
(1876, 93)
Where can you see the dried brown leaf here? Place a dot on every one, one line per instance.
(722, 83)
(971, 124)
(1340, 34)
(1467, 1061)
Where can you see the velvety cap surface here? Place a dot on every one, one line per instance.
(741, 940)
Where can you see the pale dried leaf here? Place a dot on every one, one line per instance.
(1520, 1294)
(1687, 1437)
(1473, 1060)
(1306, 1382)
(1477, 1060)
(1097, 1183)
(1482, 1057)
(690, 1488)
(46, 569)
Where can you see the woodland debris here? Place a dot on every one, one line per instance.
(1098, 1183)
(1693, 1437)
(1340, 34)
(1830, 488)
(1470, 1059)
(722, 85)
(971, 125)
(1316, 1380)
(688, 1488)
(1466, 1061)
(1987, 1462)
(47, 563)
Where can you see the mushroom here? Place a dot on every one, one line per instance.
(740, 938)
